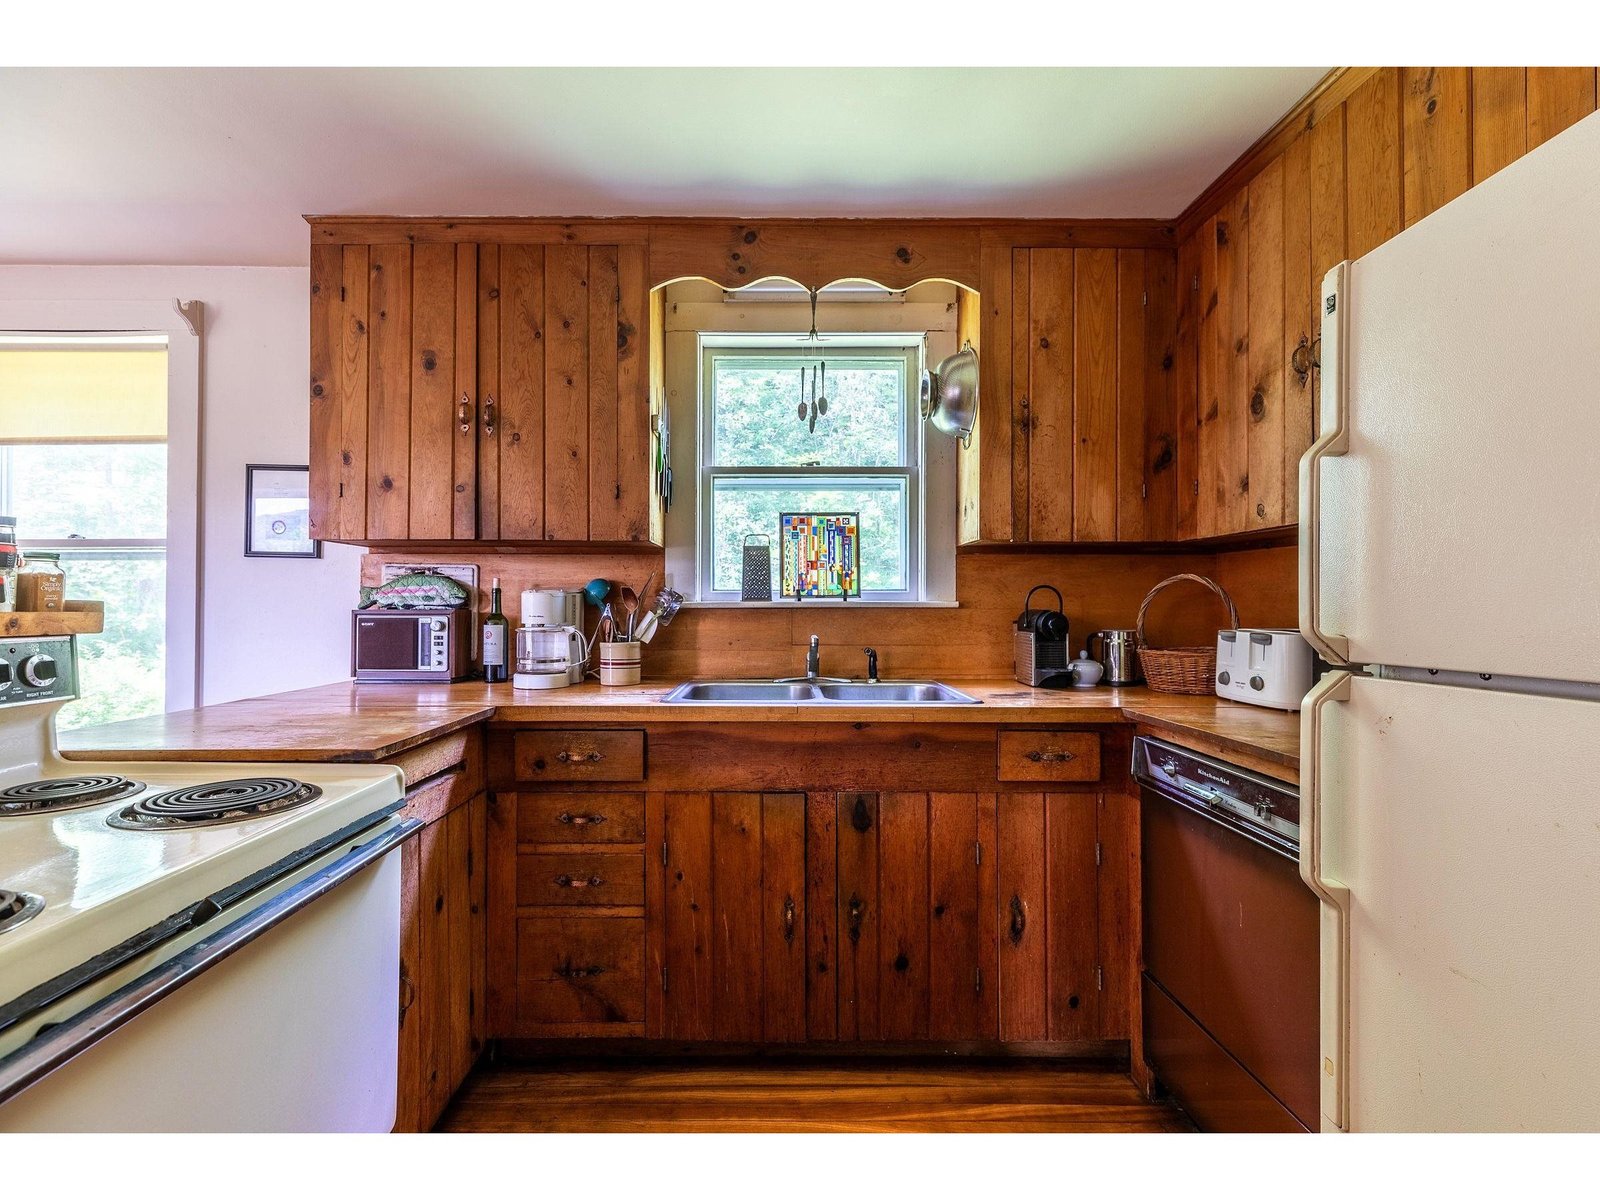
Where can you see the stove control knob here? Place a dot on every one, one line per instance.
(38, 670)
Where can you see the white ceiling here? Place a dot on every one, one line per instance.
(217, 166)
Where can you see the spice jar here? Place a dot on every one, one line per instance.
(41, 584)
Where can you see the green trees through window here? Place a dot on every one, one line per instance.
(766, 456)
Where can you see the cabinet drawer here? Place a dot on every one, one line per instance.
(610, 818)
(579, 755)
(580, 970)
(1043, 756)
(586, 880)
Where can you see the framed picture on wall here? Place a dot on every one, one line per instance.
(277, 512)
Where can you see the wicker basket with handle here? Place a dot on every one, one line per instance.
(1190, 670)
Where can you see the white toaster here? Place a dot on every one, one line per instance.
(1269, 667)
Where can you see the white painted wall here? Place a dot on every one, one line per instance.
(267, 625)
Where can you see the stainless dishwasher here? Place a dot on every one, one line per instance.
(1230, 943)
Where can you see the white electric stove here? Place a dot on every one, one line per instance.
(190, 946)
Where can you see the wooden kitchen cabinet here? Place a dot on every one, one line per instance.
(393, 392)
(912, 922)
(733, 920)
(1091, 342)
(443, 933)
(566, 932)
(776, 908)
(464, 391)
(1051, 972)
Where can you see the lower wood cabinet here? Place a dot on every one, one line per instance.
(813, 914)
(443, 960)
(732, 925)
(567, 928)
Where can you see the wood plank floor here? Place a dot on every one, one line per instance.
(803, 1097)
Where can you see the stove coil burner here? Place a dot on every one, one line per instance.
(219, 803)
(17, 907)
(58, 795)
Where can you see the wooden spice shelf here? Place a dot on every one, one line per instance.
(79, 616)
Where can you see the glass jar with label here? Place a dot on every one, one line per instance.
(8, 564)
(41, 583)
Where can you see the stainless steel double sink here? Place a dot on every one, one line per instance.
(921, 692)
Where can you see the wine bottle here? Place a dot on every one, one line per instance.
(496, 636)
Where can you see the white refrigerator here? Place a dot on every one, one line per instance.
(1450, 567)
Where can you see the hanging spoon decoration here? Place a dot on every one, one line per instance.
(802, 413)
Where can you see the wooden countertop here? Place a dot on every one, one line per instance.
(343, 722)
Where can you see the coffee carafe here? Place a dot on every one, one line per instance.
(551, 650)
(1118, 653)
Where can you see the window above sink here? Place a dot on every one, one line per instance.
(768, 421)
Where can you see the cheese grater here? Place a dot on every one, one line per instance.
(756, 578)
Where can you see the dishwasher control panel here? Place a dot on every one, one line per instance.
(1254, 804)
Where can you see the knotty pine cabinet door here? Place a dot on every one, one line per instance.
(915, 918)
(393, 392)
(563, 344)
(1094, 450)
(731, 918)
(443, 956)
(1051, 977)
(461, 392)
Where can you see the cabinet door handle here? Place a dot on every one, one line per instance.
(1305, 358)
(568, 971)
(579, 820)
(569, 881)
(788, 918)
(465, 415)
(1049, 756)
(857, 911)
(581, 756)
(1019, 919)
(488, 415)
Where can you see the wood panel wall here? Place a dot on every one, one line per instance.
(1369, 153)
(971, 641)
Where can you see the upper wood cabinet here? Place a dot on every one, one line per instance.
(463, 391)
(1078, 438)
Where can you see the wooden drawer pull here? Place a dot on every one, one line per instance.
(582, 756)
(1044, 756)
(1019, 919)
(581, 819)
(568, 881)
(788, 918)
(568, 971)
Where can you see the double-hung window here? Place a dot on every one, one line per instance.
(83, 469)
(763, 454)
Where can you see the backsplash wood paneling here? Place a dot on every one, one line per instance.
(971, 641)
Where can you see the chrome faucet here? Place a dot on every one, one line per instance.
(813, 667)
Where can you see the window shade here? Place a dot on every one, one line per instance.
(84, 394)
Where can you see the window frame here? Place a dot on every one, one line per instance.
(909, 350)
(182, 322)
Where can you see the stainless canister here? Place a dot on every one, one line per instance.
(1117, 653)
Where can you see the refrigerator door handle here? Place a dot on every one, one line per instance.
(1333, 440)
(1335, 898)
